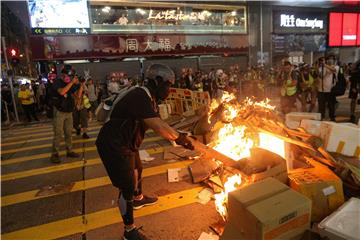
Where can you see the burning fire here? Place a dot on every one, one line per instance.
(234, 139)
(221, 198)
(232, 142)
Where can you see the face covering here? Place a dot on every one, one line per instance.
(163, 91)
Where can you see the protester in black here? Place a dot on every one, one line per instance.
(119, 140)
(354, 88)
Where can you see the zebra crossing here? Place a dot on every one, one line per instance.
(75, 199)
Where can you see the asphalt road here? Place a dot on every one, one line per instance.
(75, 199)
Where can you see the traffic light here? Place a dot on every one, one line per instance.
(14, 56)
(13, 52)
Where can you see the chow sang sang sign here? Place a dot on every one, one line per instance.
(296, 22)
(291, 21)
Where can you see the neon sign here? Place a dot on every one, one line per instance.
(290, 21)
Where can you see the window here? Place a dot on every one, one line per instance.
(169, 19)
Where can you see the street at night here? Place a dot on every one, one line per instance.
(188, 120)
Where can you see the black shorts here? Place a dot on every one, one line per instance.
(120, 165)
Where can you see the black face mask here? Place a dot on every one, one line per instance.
(163, 90)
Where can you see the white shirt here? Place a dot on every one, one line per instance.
(326, 81)
(113, 87)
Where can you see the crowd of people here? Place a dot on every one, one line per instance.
(305, 84)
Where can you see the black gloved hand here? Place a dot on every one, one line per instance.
(184, 141)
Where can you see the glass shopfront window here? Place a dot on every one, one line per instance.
(169, 19)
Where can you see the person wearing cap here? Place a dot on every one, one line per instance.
(120, 137)
(308, 83)
(63, 91)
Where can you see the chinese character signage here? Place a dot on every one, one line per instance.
(299, 22)
(102, 46)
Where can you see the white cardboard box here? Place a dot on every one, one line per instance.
(311, 126)
(341, 138)
(344, 223)
(293, 119)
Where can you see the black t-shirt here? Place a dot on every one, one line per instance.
(64, 103)
(126, 128)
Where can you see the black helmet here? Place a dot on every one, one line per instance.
(68, 70)
(156, 71)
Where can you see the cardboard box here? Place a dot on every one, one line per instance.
(266, 210)
(341, 138)
(311, 126)
(293, 119)
(321, 185)
(344, 224)
(272, 164)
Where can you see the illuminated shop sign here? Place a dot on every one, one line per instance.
(299, 22)
(292, 21)
(178, 15)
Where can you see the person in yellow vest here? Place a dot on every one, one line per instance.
(26, 98)
(290, 78)
(308, 87)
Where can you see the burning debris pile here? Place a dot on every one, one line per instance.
(245, 143)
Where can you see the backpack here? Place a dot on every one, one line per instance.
(104, 110)
(340, 83)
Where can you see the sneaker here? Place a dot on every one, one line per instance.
(55, 158)
(85, 136)
(134, 234)
(145, 201)
(72, 155)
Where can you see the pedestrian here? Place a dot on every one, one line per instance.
(207, 84)
(354, 88)
(290, 78)
(113, 86)
(189, 79)
(119, 140)
(93, 97)
(327, 73)
(41, 96)
(64, 104)
(308, 83)
(26, 97)
(80, 114)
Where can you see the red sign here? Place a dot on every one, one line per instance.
(344, 29)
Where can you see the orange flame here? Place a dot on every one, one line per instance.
(233, 140)
(221, 198)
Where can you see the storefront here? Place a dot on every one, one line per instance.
(209, 33)
(300, 35)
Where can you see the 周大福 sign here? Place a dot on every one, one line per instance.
(299, 22)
